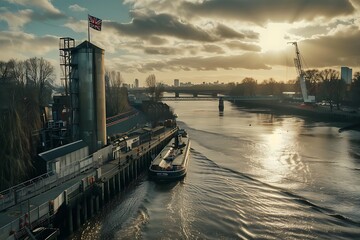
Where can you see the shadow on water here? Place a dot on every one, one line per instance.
(165, 186)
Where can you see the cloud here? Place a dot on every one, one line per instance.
(77, 8)
(16, 20)
(76, 25)
(211, 48)
(149, 24)
(261, 11)
(154, 40)
(162, 50)
(243, 46)
(22, 45)
(45, 5)
(41, 10)
(245, 61)
(340, 49)
(227, 32)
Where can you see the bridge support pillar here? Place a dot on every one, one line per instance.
(127, 181)
(117, 182)
(106, 191)
(113, 187)
(91, 210)
(78, 218)
(70, 221)
(97, 204)
(85, 209)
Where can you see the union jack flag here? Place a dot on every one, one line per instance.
(95, 22)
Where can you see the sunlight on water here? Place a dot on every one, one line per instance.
(276, 146)
(251, 176)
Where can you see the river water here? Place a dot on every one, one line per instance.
(252, 175)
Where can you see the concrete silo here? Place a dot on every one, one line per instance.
(87, 92)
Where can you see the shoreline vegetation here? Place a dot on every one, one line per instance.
(27, 87)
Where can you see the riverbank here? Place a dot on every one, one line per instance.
(322, 113)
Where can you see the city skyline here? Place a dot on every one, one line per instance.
(193, 41)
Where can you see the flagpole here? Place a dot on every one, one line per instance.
(88, 29)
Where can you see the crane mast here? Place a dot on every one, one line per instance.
(301, 73)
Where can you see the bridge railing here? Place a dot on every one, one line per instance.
(27, 219)
(43, 183)
(25, 190)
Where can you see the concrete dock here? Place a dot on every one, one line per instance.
(68, 203)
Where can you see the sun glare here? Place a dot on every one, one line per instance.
(273, 37)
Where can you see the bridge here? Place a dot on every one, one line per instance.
(195, 90)
(226, 98)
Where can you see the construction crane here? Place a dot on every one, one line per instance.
(301, 73)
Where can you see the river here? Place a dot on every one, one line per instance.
(252, 175)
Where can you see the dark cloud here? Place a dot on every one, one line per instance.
(243, 46)
(340, 49)
(211, 48)
(161, 50)
(150, 25)
(146, 25)
(157, 40)
(246, 61)
(227, 32)
(262, 11)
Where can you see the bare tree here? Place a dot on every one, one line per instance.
(40, 73)
(333, 88)
(151, 85)
(27, 87)
(116, 95)
(155, 89)
(312, 81)
(159, 91)
(249, 86)
(355, 90)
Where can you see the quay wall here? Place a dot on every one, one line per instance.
(311, 111)
(80, 198)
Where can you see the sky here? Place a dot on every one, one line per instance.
(190, 40)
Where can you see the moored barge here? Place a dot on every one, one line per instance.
(171, 163)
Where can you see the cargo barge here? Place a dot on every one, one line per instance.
(171, 163)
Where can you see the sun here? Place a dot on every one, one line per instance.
(273, 37)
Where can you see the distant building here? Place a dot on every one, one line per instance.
(346, 74)
(136, 83)
(187, 84)
(176, 83)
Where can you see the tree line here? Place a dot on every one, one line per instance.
(116, 95)
(325, 85)
(25, 90)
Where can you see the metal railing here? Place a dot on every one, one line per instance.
(25, 191)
